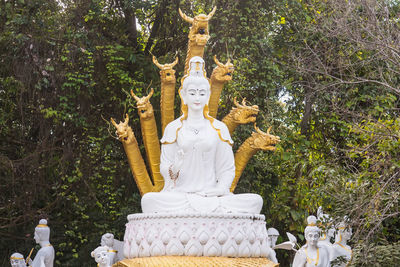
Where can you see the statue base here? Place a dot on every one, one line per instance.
(195, 234)
(182, 261)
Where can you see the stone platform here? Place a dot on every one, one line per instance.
(183, 261)
(195, 234)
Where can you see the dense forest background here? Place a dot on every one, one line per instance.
(325, 74)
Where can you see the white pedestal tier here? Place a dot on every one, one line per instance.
(196, 234)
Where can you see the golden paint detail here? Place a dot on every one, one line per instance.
(221, 74)
(42, 225)
(241, 114)
(183, 261)
(16, 258)
(198, 35)
(309, 260)
(150, 137)
(135, 160)
(167, 101)
(257, 141)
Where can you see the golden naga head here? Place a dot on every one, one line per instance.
(244, 114)
(264, 141)
(145, 109)
(167, 72)
(223, 72)
(199, 30)
(124, 131)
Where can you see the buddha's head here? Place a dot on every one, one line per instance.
(107, 240)
(17, 260)
(312, 232)
(101, 256)
(42, 231)
(195, 90)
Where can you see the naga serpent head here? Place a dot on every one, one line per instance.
(167, 72)
(145, 109)
(223, 72)
(199, 30)
(124, 131)
(243, 114)
(264, 141)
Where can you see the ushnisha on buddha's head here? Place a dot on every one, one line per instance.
(312, 232)
(42, 231)
(17, 260)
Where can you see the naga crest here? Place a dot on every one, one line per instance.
(167, 72)
(244, 114)
(223, 72)
(124, 131)
(199, 30)
(263, 141)
(145, 109)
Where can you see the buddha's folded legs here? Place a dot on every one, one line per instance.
(185, 202)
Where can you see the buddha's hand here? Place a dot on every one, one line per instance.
(216, 192)
(178, 161)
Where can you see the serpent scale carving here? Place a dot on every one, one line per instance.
(150, 137)
(257, 141)
(241, 114)
(132, 151)
(221, 74)
(168, 81)
(198, 35)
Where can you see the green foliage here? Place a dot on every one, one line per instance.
(323, 73)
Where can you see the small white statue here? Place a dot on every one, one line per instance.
(197, 161)
(17, 260)
(311, 254)
(45, 256)
(114, 247)
(273, 235)
(340, 248)
(101, 256)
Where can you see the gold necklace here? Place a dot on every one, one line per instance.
(309, 260)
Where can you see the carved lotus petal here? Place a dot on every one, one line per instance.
(139, 237)
(251, 237)
(239, 237)
(174, 248)
(256, 249)
(157, 249)
(244, 250)
(184, 237)
(165, 237)
(213, 251)
(222, 237)
(203, 237)
(144, 250)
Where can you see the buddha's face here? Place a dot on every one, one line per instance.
(196, 96)
(312, 237)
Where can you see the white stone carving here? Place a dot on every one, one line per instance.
(101, 256)
(195, 234)
(341, 251)
(17, 260)
(45, 256)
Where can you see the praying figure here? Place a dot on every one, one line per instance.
(45, 256)
(197, 161)
(114, 247)
(311, 254)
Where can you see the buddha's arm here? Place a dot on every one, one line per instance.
(224, 165)
(168, 152)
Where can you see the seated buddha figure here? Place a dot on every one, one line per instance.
(197, 161)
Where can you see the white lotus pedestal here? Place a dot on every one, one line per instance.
(195, 239)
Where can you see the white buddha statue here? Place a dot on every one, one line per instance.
(101, 256)
(45, 256)
(197, 161)
(340, 248)
(17, 260)
(328, 233)
(311, 254)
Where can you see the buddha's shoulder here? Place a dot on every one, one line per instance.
(220, 125)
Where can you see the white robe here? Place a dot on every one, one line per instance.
(208, 164)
